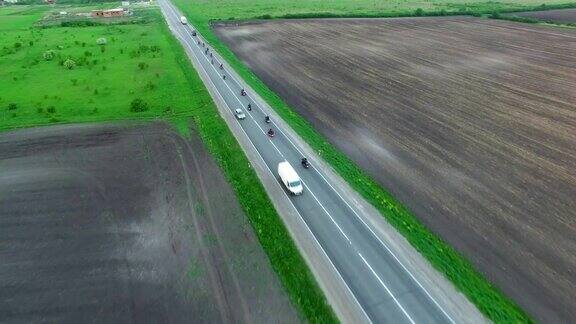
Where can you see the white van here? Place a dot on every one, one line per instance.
(183, 20)
(290, 178)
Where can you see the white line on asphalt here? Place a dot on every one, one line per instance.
(388, 290)
(332, 219)
(273, 176)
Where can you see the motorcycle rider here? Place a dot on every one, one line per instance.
(249, 107)
(270, 132)
(267, 119)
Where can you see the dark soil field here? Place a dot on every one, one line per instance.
(125, 224)
(469, 122)
(557, 16)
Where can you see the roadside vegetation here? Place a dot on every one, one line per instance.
(93, 73)
(455, 267)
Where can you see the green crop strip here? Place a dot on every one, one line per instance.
(140, 73)
(489, 300)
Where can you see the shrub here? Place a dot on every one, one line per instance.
(419, 12)
(17, 45)
(48, 55)
(142, 65)
(74, 82)
(39, 110)
(138, 105)
(87, 53)
(102, 49)
(150, 86)
(51, 110)
(69, 64)
(12, 106)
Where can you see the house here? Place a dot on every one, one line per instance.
(117, 12)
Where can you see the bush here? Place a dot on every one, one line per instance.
(12, 106)
(150, 86)
(70, 64)
(138, 105)
(49, 55)
(142, 65)
(17, 45)
(419, 12)
(51, 110)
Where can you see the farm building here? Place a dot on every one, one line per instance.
(117, 12)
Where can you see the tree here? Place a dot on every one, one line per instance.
(138, 105)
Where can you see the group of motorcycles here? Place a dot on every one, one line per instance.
(305, 163)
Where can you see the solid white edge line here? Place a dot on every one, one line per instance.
(271, 173)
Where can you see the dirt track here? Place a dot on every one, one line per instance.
(559, 16)
(470, 122)
(125, 224)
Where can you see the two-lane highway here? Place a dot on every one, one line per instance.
(385, 288)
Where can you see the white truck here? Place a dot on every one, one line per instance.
(290, 178)
(183, 20)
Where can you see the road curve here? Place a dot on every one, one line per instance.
(385, 288)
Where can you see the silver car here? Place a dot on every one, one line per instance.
(239, 114)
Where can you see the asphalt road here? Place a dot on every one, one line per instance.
(384, 287)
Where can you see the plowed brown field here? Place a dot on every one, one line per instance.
(558, 16)
(469, 122)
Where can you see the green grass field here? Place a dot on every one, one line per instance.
(202, 11)
(137, 62)
(145, 62)
(486, 297)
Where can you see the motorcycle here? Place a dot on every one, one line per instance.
(221, 67)
(305, 163)
(271, 132)
(267, 119)
(249, 107)
(242, 92)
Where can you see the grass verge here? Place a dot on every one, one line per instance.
(140, 63)
(489, 300)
